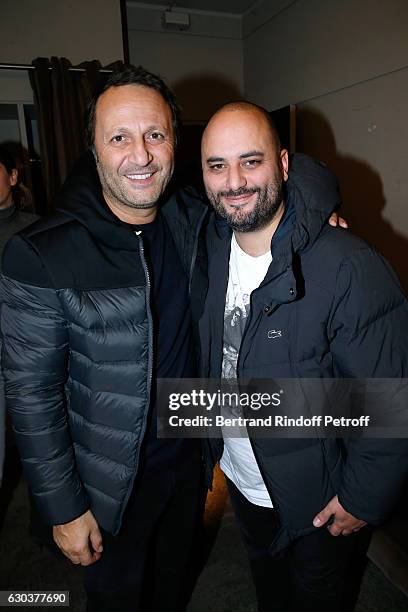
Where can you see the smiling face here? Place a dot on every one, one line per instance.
(134, 147)
(243, 167)
(7, 182)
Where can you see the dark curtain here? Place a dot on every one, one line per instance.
(60, 97)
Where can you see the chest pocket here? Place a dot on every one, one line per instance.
(269, 341)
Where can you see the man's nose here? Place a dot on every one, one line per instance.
(140, 154)
(236, 178)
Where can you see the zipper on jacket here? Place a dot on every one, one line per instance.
(149, 370)
(247, 326)
(239, 369)
(195, 249)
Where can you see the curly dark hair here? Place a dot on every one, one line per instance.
(132, 75)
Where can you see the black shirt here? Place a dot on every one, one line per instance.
(173, 341)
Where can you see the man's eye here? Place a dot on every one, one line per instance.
(118, 138)
(217, 167)
(156, 136)
(251, 163)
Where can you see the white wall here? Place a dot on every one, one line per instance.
(204, 64)
(314, 46)
(77, 29)
(15, 86)
(345, 64)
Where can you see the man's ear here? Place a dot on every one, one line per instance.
(13, 177)
(284, 162)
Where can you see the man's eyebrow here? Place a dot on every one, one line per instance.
(214, 159)
(118, 128)
(251, 154)
(150, 128)
(254, 153)
(156, 126)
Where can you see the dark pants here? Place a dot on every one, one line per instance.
(145, 567)
(308, 576)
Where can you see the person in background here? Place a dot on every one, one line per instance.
(12, 220)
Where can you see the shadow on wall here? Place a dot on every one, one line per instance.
(201, 95)
(361, 189)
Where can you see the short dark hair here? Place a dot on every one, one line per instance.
(132, 75)
(7, 160)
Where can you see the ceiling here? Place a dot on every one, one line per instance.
(220, 6)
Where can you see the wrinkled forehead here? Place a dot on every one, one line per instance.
(132, 104)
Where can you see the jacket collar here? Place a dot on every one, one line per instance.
(7, 214)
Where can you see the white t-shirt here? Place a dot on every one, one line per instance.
(245, 274)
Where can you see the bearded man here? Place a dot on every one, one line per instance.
(314, 302)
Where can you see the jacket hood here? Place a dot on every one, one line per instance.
(312, 192)
(81, 199)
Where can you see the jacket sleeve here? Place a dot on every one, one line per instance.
(34, 362)
(369, 339)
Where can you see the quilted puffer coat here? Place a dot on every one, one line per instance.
(77, 347)
(341, 313)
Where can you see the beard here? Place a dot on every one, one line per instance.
(264, 210)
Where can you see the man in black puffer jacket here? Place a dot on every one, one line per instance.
(95, 307)
(291, 297)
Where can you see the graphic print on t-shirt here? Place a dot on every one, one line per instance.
(245, 274)
(238, 462)
(236, 312)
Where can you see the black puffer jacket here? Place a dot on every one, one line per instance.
(341, 313)
(77, 354)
